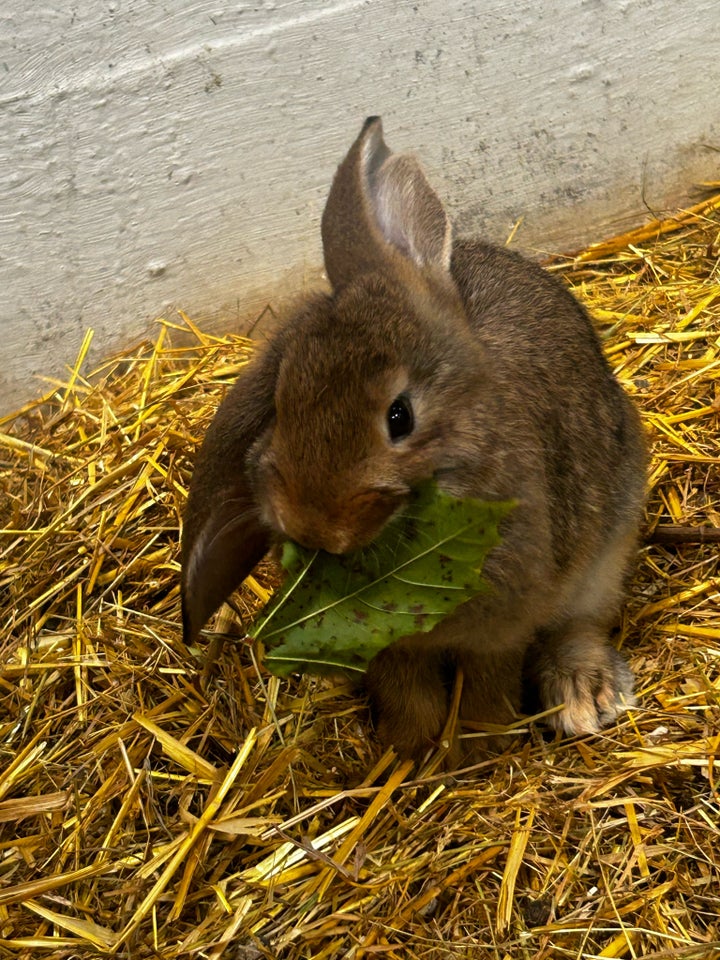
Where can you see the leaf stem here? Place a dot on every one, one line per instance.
(258, 629)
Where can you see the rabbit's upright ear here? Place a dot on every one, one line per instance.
(381, 204)
(223, 535)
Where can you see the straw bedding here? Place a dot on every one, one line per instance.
(164, 802)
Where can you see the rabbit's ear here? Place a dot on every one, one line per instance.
(380, 200)
(223, 535)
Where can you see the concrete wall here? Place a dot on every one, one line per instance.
(155, 154)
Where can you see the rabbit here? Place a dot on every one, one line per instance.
(447, 359)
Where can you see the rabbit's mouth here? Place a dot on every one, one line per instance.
(335, 526)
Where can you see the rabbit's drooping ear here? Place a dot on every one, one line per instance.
(223, 536)
(229, 545)
(381, 204)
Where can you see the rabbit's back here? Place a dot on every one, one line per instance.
(554, 382)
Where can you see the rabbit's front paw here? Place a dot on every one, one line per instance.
(408, 688)
(589, 677)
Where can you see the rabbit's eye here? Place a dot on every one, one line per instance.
(400, 418)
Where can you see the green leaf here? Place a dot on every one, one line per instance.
(337, 612)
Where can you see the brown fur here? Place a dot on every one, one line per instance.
(512, 398)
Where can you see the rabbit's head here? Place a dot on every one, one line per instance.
(361, 395)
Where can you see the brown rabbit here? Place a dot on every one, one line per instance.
(458, 361)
